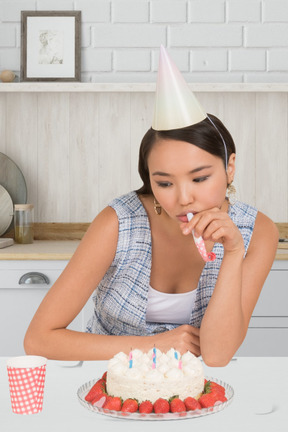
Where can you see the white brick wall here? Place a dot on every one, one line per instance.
(243, 11)
(138, 11)
(210, 40)
(205, 11)
(168, 11)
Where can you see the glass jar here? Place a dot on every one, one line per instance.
(23, 223)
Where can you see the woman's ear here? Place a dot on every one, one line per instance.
(231, 168)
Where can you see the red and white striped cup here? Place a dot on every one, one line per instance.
(26, 375)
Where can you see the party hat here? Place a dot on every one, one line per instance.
(175, 104)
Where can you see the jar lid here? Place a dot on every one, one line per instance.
(24, 206)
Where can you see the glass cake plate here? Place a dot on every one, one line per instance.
(219, 406)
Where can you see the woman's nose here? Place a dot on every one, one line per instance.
(185, 196)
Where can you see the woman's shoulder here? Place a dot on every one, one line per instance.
(243, 212)
(128, 205)
(265, 227)
(265, 235)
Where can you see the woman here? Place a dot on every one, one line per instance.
(145, 238)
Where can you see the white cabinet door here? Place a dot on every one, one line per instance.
(268, 328)
(19, 301)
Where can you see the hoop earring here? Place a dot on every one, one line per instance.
(231, 194)
(157, 208)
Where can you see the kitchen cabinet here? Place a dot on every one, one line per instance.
(268, 328)
(19, 299)
(266, 336)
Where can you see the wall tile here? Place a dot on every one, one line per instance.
(163, 11)
(278, 60)
(126, 36)
(132, 60)
(96, 60)
(206, 11)
(127, 12)
(275, 11)
(245, 60)
(54, 5)
(267, 35)
(11, 9)
(209, 60)
(7, 36)
(210, 35)
(94, 11)
(244, 10)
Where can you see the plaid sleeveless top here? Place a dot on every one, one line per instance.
(120, 300)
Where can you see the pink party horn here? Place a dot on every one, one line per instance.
(207, 256)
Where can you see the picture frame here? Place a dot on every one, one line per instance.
(50, 46)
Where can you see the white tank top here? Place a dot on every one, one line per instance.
(170, 308)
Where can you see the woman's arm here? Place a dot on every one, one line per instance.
(225, 323)
(47, 334)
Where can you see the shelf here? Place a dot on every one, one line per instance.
(136, 87)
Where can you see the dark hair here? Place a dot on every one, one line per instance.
(203, 135)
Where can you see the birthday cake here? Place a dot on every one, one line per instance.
(154, 375)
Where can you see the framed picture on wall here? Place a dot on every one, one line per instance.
(50, 45)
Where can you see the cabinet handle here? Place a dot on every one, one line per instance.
(33, 278)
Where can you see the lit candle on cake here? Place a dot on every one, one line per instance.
(130, 360)
(154, 358)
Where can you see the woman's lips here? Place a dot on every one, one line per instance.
(183, 217)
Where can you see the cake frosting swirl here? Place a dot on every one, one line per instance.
(154, 375)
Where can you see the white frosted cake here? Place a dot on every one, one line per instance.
(153, 375)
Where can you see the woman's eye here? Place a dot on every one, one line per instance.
(164, 184)
(200, 179)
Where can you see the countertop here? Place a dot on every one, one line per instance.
(64, 249)
(259, 384)
(40, 250)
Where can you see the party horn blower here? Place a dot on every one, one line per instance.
(207, 256)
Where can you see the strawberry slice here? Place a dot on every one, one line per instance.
(99, 400)
(98, 388)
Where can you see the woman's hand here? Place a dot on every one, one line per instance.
(183, 338)
(216, 226)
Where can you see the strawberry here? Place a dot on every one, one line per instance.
(192, 404)
(177, 405)
(211, 386)
(146, 407)
(216, 387)
(104, 376)
(161, 406)
(207, 400)
(113, 403)
(219, 397)
(130, 405)
(99, 400)
(215, 390)
(98, 387)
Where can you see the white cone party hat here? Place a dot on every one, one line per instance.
(175, 104)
